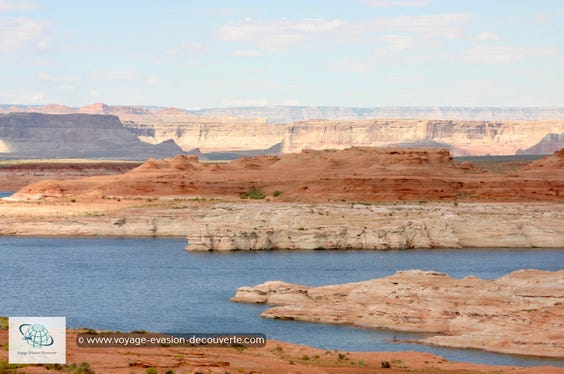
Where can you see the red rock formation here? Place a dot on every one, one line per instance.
(355, 174)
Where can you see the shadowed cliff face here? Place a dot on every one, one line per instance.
(35, 135)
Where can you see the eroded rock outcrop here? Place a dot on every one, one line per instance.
(256, 226)
(520, 313)
(355, 174)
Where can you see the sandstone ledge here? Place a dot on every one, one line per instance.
(264, 226)
(223, 226)
(520, 313)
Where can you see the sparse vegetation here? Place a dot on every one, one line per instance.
(277, 193)
(151, 370)
(82, 368)
(254, 193)
(277, 349)
(94, 213)
(386, 365)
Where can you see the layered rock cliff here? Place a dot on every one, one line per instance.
(35, 135)
(520, 313)
(230, 227)
(464, 131)
(462, 138)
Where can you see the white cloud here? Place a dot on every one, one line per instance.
(398, 42)
(66, 87)
(541, 18)
(16, 6)
(351, 66)
(193, 48)
(398, 3)
(55, 78)
(244, 102)
(279, 35)
(248, 53)
(153, 81)
(113, 74)
(484, 35)
(441, 26)
(22, 34)
(503, 54)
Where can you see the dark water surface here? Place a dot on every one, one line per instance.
(154, 284)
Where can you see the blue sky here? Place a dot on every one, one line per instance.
(197, 54)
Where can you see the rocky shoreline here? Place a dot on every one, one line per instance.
(228, 226)
(275, 357)
(520, 313)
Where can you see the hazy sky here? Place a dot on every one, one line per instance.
(195, 54)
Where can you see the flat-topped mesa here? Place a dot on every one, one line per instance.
(37, 135)
(250, 131)
(353, 174)
(520, 313)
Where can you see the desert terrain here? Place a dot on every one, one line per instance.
(275, 357)
(357, 198)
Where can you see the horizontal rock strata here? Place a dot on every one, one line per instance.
(255, 226)
(520, 313)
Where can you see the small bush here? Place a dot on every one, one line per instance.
(253, 193)
(151, 370)
(305, 357)
(277, 193)
(386, 365)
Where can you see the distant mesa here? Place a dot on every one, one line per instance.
(239, 132)
(549, 144)
(36, 135)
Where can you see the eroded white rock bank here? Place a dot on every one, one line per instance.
(264, 226)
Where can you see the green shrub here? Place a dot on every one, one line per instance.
(253, 193)
(151, 370)
(277, 193)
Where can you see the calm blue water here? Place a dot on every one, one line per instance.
(154, 284)
(5, 194)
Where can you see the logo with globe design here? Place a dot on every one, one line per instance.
(37, 340)
(36, 335)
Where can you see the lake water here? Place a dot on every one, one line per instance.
(5, 194)
(154, 284)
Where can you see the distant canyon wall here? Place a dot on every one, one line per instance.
(37, 135)
(255, 130)
(286, 114)
(463, 138)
